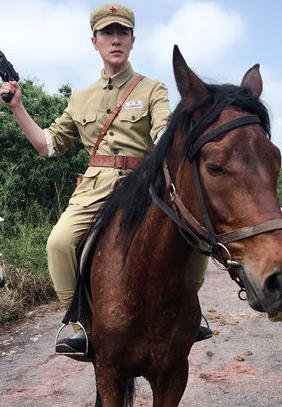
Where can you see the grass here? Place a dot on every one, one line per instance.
(28, 283)
(23, 291)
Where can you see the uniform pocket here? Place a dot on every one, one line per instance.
(132, 116)
(95, 187)
(87, 183)
(85, 119)
(87, 127)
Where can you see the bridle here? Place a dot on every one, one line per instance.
(203, 237)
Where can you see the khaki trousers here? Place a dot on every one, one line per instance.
(61, 248)
(64, 239)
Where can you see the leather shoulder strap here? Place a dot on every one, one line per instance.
(115, 111)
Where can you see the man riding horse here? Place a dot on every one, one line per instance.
(118, 119)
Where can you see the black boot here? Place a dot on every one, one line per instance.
(204, 333)
(74, 344)
(74, 347)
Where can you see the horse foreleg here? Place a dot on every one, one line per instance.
(112, 396)
(169, 387)
(114, 390)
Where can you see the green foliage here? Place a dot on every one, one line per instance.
(25, 247)
(33, 193)
(27, 280)
(26, 177)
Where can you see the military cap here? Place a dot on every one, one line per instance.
(109, 14)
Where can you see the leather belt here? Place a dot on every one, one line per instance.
(114, 161)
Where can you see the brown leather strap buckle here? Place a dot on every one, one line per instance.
(123, 162)
(120, 162)
(115, 161)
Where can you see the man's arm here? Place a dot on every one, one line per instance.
(159, 111)
(34, 134)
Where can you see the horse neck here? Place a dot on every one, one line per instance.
(162, 233)
(164, 247)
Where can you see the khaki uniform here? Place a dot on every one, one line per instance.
(143, 116)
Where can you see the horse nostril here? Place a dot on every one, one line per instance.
(274, 284)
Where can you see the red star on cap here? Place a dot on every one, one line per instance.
(113, 9)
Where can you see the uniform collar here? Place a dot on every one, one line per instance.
(119, 78)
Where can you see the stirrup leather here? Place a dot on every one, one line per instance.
(72, 353)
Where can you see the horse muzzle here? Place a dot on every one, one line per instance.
(272, 291)
(269, 297)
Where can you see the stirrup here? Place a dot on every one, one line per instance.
(70, 354)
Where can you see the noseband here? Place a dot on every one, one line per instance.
(202, 237)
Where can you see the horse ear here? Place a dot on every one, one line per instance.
(190, 87)
(252, 80)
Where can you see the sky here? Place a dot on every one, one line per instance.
(220, 40)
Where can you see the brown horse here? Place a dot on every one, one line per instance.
(212, 177)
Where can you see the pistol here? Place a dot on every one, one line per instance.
(7, 73)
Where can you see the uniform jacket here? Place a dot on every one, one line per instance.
(132, 133)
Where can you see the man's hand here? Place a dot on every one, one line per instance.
(14, 88)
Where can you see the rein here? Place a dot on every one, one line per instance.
(202, 237)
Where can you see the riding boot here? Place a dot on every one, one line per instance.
(78, 345)
(75, 347)
(204, 333)
(73, 344)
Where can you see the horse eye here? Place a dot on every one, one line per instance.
(215, 168)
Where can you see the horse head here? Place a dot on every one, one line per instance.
(238, 167)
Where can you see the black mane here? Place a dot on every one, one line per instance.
(132, 195)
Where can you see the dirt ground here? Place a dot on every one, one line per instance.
(241, 366)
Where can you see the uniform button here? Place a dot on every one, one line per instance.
(115, 151)
(133, 117)
(109, 110)
(110, 87)
(111, 133)
(120, 173)
(84, 120)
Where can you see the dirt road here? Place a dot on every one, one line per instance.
(241, 366)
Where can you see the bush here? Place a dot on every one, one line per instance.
(33, 193)
(26, 177)
(27, 280)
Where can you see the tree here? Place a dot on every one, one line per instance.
(26, 178)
